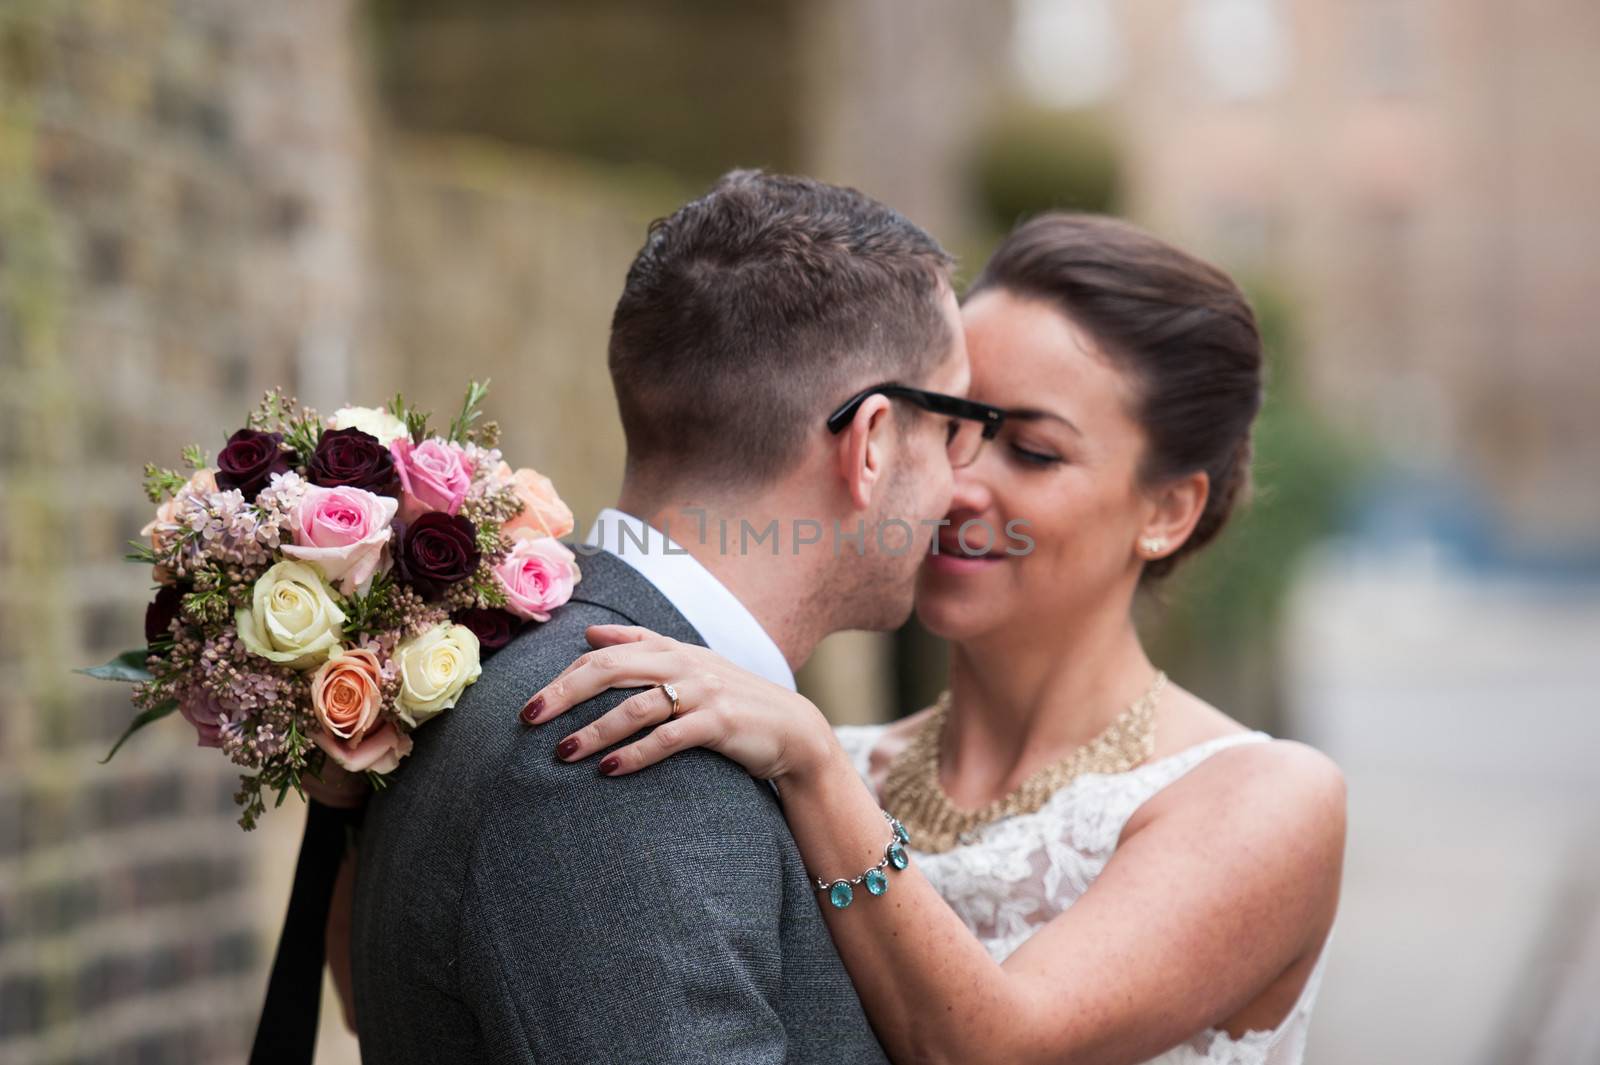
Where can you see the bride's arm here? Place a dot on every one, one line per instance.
(1219, 885)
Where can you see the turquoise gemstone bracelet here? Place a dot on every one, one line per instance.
(842, 894)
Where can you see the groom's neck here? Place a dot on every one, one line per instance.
(734, 539)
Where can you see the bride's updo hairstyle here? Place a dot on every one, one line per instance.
(1178, 328)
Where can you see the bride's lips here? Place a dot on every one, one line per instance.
(953, 558)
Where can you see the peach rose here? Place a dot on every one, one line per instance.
(347, 698)
(537, 576)
(543, 512)
(159, 531)
(380, 751)
(434, 475)
(346, 693)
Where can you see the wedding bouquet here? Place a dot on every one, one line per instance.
(329, 586)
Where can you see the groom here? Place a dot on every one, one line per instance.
(514, 908)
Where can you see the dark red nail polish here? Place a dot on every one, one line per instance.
(530, 713)
(566, 747)
(609, 764)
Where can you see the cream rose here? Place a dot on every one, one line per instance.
(292, 618)
(543, 512)
(370, 420)
(435, 668)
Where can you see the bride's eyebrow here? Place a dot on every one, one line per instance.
(1034, 414)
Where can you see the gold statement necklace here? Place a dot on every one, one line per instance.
(913, 793)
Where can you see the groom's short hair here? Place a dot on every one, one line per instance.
(753, 311)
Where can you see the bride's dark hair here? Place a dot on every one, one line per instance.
(1179, 328)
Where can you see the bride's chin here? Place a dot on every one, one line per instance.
(952, 615)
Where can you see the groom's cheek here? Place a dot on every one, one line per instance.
(807, 532)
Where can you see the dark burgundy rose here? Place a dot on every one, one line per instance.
(436, 551)
(493, 628)
(354, 459)
(249, 460)
(159, 615)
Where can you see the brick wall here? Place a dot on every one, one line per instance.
(179, 226)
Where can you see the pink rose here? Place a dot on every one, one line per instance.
(537, 576)
(344, 532)
(207, 713)
(380, 751)
(434, 475)
(160, 531)
(543, 512)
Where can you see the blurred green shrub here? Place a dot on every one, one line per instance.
(1031, 159)
(1217, 621)
(692, 88)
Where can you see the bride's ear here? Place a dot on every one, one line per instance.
(861, 450)
(1175, 508)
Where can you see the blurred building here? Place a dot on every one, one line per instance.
(1420, 177)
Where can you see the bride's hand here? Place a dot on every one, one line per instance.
(771, 731)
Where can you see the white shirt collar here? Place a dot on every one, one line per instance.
(716, 613)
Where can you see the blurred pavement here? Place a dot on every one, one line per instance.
(1462, 708)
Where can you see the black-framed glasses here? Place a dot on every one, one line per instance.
(971, 422)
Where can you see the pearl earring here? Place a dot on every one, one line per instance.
(1153, 545)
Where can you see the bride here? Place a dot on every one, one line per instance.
(1100, 867)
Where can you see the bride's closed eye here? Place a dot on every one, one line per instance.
(1035, 457)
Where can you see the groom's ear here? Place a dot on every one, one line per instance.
(862, 448)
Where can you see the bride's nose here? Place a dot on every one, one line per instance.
(970, 491)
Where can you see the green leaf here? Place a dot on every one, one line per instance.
(128, 666)
(470, 412)
(155, 713)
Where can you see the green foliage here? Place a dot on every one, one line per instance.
(279, 778)
(300, 426)
(161, 483)
(462, 429)
(1222, 609)
(144, 553)
(373, 612)
(471, 411)
(486, 587)
(208, 606)
(666, 95)
(128, 666)
(1032, 160)
(155, 713)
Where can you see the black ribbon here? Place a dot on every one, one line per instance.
(287, 1033)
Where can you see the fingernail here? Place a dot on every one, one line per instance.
(567, 747)
(609, 764)
(531, 712)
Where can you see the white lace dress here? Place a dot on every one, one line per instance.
(1024, 870)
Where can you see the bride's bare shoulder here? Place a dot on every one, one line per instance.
(1185, 720)
(1288, 778)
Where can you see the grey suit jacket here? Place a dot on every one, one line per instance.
(513, 908)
